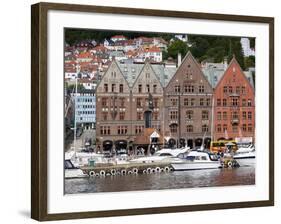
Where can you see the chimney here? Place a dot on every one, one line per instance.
(225, 63)
(179, 59)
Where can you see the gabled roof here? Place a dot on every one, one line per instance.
(147, 64)
(117, 65)
(189, 55)
(144, 137)
(235, 62)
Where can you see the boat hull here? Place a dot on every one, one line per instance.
(246, 161)
(74, 173)
(196, 166)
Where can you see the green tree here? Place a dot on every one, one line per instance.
(199, 48)
(176, 47)
(249, 61)
(71, 87)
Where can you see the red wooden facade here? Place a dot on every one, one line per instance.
(234, 111)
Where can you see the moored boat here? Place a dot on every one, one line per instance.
(197, 160)
(246, 156)
(164, 155)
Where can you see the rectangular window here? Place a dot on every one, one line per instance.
(237, 89)
(224, 102)
(189, 114)
(177, 89)
(224, 127)
(140, 88)
(173, 115)
(113, 88)
(205, 128)
(249, 102)
(234, 102)
(243, 102)
(173, 128)
(205, 115)
(219, 128)
(148, 88)
(138, 129)
(122, 115)
(121, 88)
(105, 88)
(244, 115)
(192, 103)
(104, 102)
(208, 102)
(235, 115)
(225, 89)
(201, 89)
(201, 102)
(185, 101)
(174, 102)
(224, 115)
(244, 127)
(219, 116)
(190, 88)
(218, 102)
(122, 130)
(249, 115)
(189, 128)
(243, 90)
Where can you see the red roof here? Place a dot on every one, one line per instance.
(84, 55)
(100, 48)
(153, 49)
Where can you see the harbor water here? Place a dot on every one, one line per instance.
(159, 181)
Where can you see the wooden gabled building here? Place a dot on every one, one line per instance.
(188, 105)
(113, 114)
(234, 113)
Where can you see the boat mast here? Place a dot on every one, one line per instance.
(212, 121)
(75, 100)
(163, 117)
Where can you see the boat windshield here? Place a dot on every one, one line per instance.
(190, 158)
(68, 164)
(165, 154)
(213, 157)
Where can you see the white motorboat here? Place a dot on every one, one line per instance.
(246, 156)
(197, 160)
(163, 155)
